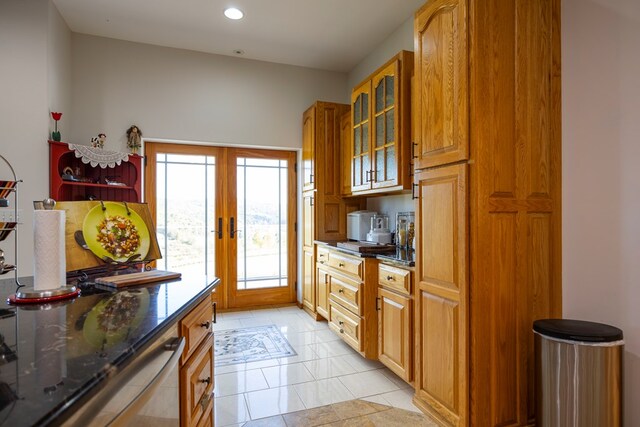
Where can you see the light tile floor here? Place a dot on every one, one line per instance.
(325, 371)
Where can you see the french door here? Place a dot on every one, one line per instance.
(228, 213)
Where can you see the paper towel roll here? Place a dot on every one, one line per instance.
(48, 250)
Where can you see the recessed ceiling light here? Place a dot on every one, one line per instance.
(233, 13)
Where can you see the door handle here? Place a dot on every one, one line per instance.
(219, 230)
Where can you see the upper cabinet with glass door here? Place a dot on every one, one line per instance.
(381, 108)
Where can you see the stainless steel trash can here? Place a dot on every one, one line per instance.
(578, 373)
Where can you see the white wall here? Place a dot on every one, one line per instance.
(400, 39)
(30, 83)
(59, 68)
(601, 173)
(184, 95)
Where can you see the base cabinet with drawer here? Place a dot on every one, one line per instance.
(395, 321)
(346, 297)
(196, 367)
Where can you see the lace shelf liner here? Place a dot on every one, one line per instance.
(98, 156)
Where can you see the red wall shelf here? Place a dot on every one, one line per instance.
(128, 173)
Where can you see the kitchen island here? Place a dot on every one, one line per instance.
(55, 357)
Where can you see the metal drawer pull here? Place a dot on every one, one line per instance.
(341, 331)
(206, 381)
(340, 322)
(205, 325)
(341, 264)
(389, 277)
(321, 261)
(341, 291)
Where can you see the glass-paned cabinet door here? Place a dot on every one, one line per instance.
(385, 136)
(361, 170)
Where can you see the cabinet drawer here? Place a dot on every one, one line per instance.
(346, 293)
(344, 264)
(346, 325)
(322, 255)
(196, 384)
(195, 326)
(396, 278)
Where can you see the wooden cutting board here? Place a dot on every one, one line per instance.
(365, 247)
(133, 279)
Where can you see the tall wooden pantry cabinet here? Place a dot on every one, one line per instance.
(488, 180)
(324, 213)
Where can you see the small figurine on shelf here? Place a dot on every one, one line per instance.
(99, 141)
(55, 135)
(134, 135)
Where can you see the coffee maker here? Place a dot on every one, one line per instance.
(379, 232)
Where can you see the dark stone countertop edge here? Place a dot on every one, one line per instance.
(58, 415)
(389, 257)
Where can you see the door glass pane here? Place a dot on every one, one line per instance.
(365, 137)
(380, 130)
(357, 174)
(186, 213)
(390, 126)
(356, 141)
(365, 106)
(380, 96)
(392, 172)
(261, 224)
(356, 110)
(379, 165)
(389, 86)
(366, 164)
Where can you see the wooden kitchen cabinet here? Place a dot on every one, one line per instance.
(441, 120)
(352, 289)
(323, 286)
(345, 152)
(380, 142)
(324, 209)
(488, 256)
(196, 373)
(395, 341)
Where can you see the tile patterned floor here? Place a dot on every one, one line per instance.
(324, 372)
(251, 344)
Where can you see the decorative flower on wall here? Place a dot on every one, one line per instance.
(55, 135)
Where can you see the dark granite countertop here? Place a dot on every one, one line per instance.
(54, 357)
(401, 257)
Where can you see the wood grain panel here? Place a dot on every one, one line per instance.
(437, 227)
(440, 373)
(308, 219)
(533, 91)
(442, 294)
(441, 78)
(330, 218)
(328, 152)
(395, 344)
(308, 284)
(504, 317)
(516, 187)
(322, 292)
(308, 148)
(346, 152)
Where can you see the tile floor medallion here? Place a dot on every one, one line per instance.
(243, 345)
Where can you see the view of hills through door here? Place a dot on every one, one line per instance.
(226, 212)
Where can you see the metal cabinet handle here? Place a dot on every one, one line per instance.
(215, 311)
(413, 192)
(341, 291)
(341, 331)
(205, 325)
(206, 381)
(341, 264)
(390, 278)
(377, 301)
(340, 322)
(311, 177)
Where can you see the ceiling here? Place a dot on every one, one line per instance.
(323, 34)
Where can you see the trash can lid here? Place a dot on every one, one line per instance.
(577, 330)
